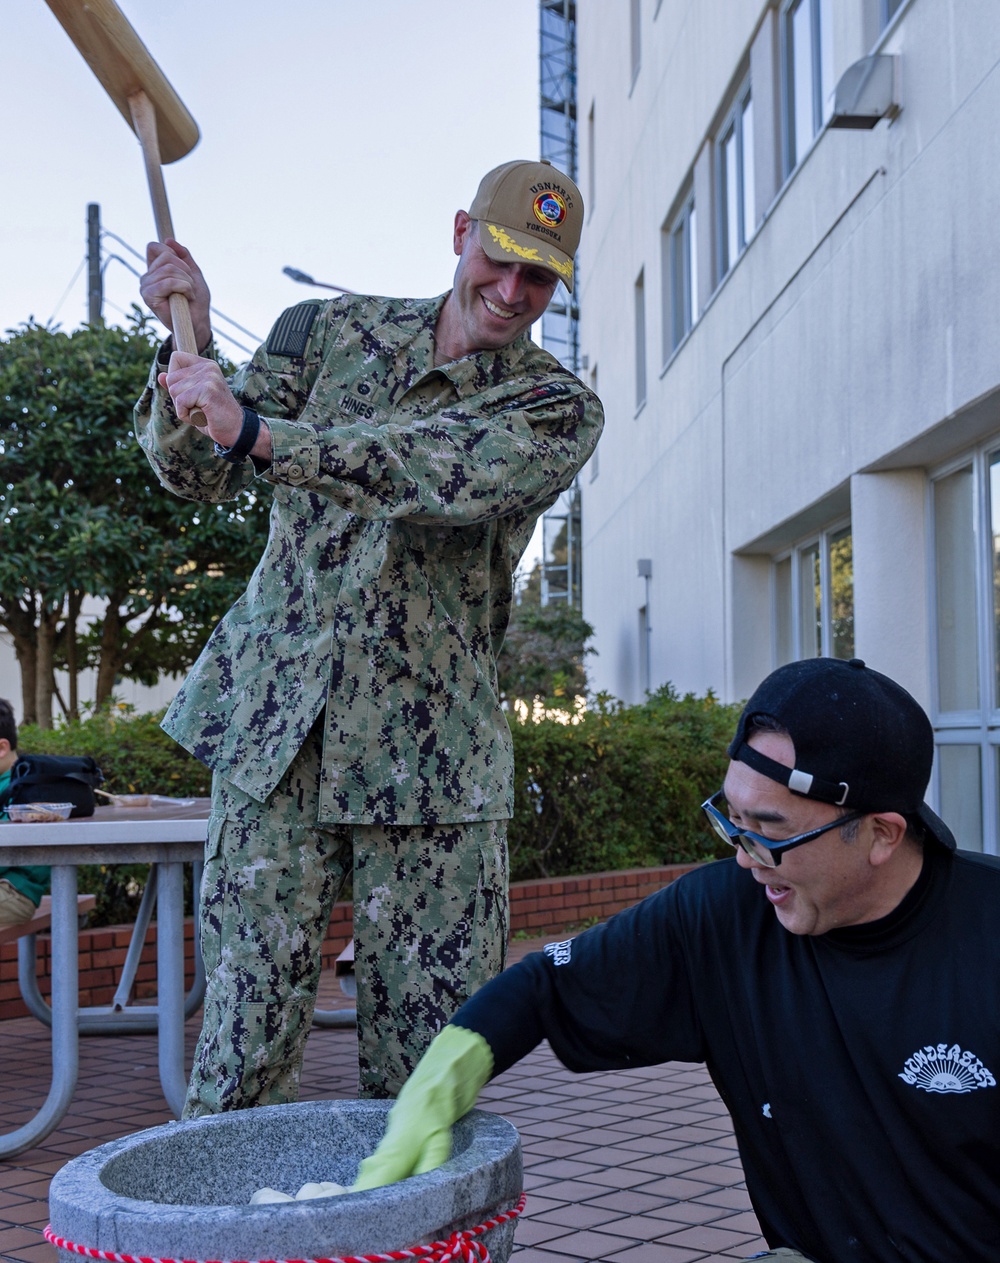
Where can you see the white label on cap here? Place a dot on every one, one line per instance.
(799, 782)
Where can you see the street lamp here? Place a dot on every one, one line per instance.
(305, 279)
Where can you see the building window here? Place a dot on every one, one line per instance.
(965, 508)
(807, 74)
(734, 156)
(680, 276)
(635, 20)
(888, 10)
(640, 341)
(957, 644)
(813, 593)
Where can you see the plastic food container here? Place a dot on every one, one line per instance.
(38, 813)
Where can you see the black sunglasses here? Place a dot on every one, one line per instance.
(766, 851)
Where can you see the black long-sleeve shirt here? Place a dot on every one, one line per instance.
(859, 1066)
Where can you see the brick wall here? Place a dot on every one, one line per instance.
(537, 908)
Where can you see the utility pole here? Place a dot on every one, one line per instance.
(95, 281)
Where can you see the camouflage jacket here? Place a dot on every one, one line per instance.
(404, 496)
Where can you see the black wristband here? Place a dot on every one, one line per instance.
(240, 450)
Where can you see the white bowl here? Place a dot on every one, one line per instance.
(38, 813)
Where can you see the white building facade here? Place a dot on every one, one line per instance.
(795, 330)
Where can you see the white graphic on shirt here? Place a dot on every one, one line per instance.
(765, 1109)
(938, 1068)
(560, 952)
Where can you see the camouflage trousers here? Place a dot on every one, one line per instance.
(430, 927)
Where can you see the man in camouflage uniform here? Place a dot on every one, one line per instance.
(347, 703)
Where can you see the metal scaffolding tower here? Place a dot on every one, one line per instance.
(561, 526)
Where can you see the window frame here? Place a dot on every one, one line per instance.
(791, 619)
(790, 157)
(732, 125)
(987, 713)
(679, 241)
(977, 727)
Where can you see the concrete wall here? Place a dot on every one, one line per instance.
(850, 347)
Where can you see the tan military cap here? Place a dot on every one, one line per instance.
(529, 212)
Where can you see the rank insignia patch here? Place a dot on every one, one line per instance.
(550, 391)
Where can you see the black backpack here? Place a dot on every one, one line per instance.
(54, 778)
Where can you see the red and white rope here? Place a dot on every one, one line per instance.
(461, 1247)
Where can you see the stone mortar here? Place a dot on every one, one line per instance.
(182, 1191)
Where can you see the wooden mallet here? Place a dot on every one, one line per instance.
(148, 103)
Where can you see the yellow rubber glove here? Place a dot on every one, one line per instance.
(443, 1087)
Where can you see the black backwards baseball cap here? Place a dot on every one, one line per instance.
(861, 741)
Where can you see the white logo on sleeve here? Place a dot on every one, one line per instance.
(560, 952)
(938, 1068)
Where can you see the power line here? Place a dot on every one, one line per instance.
(114, 307)
(106, 232)
(250, 334)
(117, 258)
(221, 333)
(76, 277)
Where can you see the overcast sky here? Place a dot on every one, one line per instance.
(338, 137)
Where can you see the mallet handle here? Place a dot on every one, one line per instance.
(144, 122)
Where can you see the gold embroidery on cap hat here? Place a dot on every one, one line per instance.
(508, 243)
(564, 269)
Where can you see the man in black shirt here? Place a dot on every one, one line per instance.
(838, 978)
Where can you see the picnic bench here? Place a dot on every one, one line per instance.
(42, 920)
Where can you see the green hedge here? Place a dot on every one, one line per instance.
(136, 756)
(619, 788)
(134, 753)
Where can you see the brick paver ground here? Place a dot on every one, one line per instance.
(629, 1167)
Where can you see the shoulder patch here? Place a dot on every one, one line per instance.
(549, 391)
(290, 335)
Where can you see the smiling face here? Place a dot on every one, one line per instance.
(490, 303)
(829, 882)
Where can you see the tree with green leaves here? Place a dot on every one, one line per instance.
(543, 653)
(83, 516)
